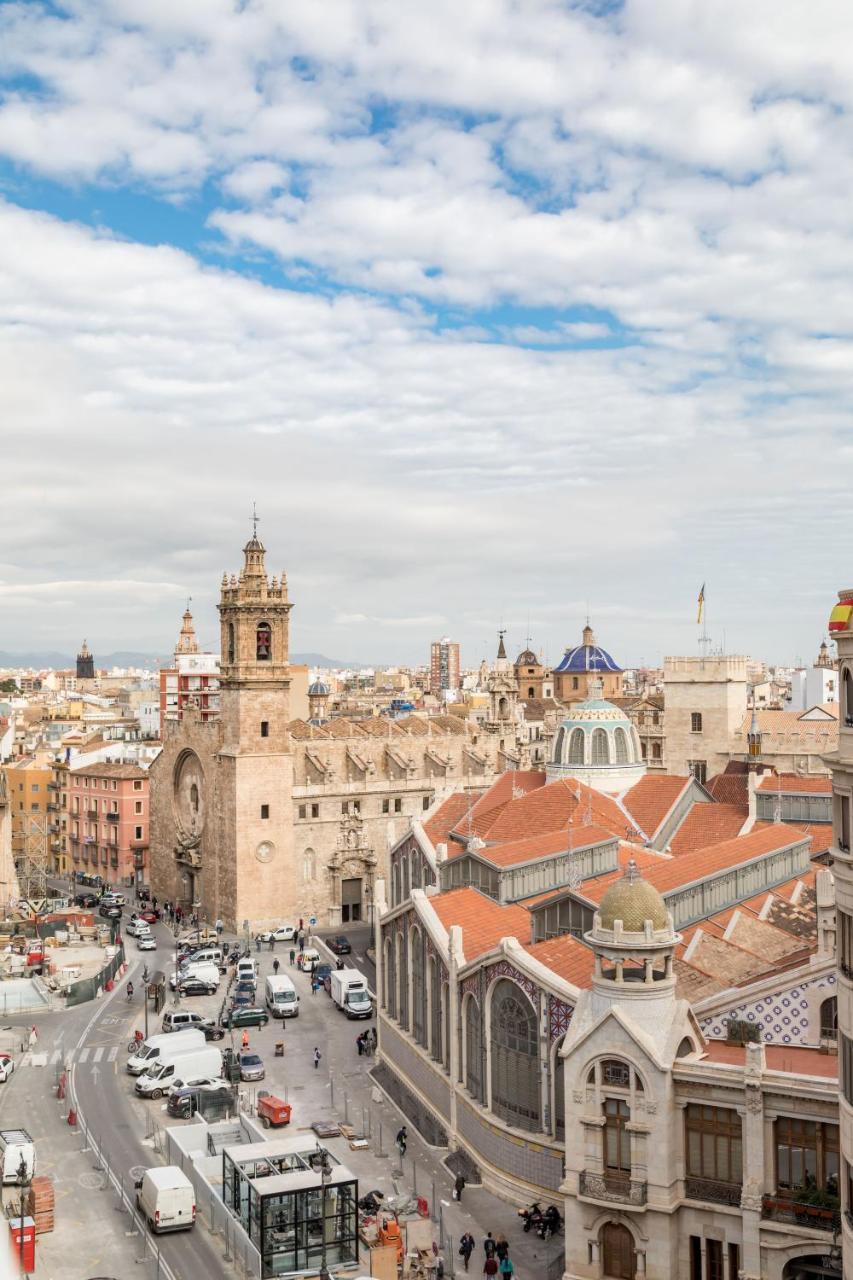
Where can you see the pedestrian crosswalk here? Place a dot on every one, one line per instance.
(90, 1054)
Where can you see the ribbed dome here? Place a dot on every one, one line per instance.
(527, 658)
(633, 901)
(318, 690)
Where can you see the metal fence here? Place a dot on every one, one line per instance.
(88, 988)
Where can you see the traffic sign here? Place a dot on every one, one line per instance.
(312, 920)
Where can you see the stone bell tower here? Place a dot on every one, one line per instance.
(255, 763)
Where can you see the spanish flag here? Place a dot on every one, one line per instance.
(839, 619)
(701, 603)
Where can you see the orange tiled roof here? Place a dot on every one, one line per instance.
(447, 816)
(499, 795)
(707, 824)
(695, 866)
(567, 957)
(819, 833)
(730, 788)
(549, 808)
(483, 921)
(518, 851)
(792, 782)
(650, 800)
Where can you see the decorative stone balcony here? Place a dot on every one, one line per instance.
(820, 1217)
(612, 1190)
(710, 1189)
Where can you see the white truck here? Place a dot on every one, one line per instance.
(18, 1153)
(166, 1199)
(349, 991)
(149, 1051)
(280, 997)
(174, 1066)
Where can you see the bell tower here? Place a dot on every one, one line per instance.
(254, 671)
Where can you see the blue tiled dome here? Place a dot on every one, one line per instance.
(318, 690)
(586, 657)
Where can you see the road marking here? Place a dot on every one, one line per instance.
(82, 1056)
(55, 1057)
(98, 1054)
(113, 1054)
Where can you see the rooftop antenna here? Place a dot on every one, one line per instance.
(704, 639)
(255, 519)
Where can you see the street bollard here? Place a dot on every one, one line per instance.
(414, 1174)
(379, 1150)
(332, 1091)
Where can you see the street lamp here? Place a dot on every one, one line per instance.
(325, 1177)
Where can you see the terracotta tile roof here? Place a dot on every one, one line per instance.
(725, 961)
(819, 833)
(448, 814)
(651, 799)
(567, 957)
(498, 796)
(553, 842)
(761, 937)
(707, 824)
(536, 708)
(110, 771)
(550, 807)
(793, 783)
(484, 922)
(790, 729)
(696, 866)
(730, 788)
(692, 984)
(779, 1057)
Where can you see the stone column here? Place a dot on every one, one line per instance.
(752, 1118)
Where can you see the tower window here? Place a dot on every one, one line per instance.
(265, 728)
(264, 642)
(696, 722)
(231, 642)
(265, 811)
(574, 682)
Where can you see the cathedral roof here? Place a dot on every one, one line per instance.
(586, 657)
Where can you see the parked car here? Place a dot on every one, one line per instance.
(196, 987)
(180, 1019)
(307, 959)
(251, 1066)
(146, 942)
(340, 944)
(284, 933)
(322, 971)
(186, 1102)
(150, 915)
(209, 1084)
(110, 913)
(242, 1000)
(245, 988)
(7, 1066)
(251, 1016)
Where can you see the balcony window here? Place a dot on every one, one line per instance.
(617, 1139)
(714, 1149)
(806, 1157)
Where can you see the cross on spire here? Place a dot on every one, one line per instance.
(255, 519)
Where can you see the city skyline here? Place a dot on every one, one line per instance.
(521, 312)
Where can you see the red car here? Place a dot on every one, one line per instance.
(150, 915)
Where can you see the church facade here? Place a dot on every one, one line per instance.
(258, 817)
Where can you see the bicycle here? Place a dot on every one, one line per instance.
(135, 1043)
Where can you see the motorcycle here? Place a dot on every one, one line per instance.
(371, 1202)
(549, 1223)
(532, 1215)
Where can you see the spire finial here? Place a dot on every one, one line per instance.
(255, 519)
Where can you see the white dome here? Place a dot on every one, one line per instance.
(597, 743)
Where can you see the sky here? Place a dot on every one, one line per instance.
(503, 313)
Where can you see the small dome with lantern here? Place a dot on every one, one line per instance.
(318, 689)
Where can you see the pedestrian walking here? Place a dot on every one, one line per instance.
(301, 940)
(507, 1269)
(458, 1186)
(292, 957)
(317, 1056)
(501, 1248)
(467, 1245)
(219, 926)
(154, 903)
(489, 1245)
(244, 1039)
(34, 1035)
(490, 1266)
(301, 925)
(402, 1141)
(275, 966)
(257, 942)
(272, 942)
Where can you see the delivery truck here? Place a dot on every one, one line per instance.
(348, 989)
(149, 1050)
(18, 1153)
(180, 1066)
(166, 1199)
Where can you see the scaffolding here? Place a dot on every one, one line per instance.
(32, 858)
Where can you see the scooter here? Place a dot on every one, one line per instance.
(532, 1215)
(549, 1223)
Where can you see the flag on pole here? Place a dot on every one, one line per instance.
(701, 603)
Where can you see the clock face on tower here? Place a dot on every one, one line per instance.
(265, 851)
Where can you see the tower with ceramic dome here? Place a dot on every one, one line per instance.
(597, 743)
(580, 665)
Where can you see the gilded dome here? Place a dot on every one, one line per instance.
(633, 901)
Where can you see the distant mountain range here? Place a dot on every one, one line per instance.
(129, 658)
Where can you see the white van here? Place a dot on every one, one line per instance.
(166, 1199)
(149, 1050)
(247, 970)
(16, 1146)
(280, 997)
(204, 971)
(169, 1068)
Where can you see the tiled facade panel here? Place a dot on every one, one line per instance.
(407, 1062)
(785, 1017)
(516, 1157)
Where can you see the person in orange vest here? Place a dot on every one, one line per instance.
(244, 1039)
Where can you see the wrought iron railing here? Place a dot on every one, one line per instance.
(818, 1217)
(603, 1186)
(711, 1189)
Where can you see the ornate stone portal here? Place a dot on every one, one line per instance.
(352, 870)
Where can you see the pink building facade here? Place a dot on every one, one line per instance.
(108, 822)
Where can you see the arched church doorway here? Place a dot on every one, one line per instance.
(617, 1252)
(351, 909)
(815, 1267)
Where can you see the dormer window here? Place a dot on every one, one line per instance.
(264, 642)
